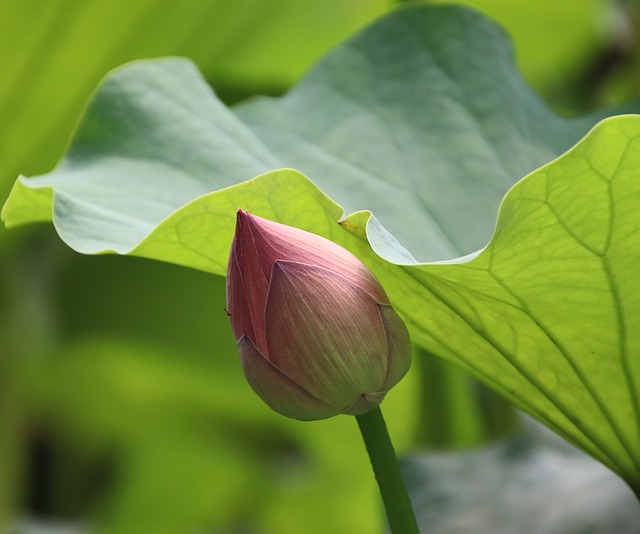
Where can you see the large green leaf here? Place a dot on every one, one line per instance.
(543, 314)
(423, 114)
(424, 120)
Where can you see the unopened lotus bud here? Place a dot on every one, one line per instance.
(316, 334)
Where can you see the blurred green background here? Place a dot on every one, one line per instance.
(122, 404)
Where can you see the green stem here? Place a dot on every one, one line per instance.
(455, 410)
(387, 471)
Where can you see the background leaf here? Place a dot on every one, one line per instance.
(128, 408)
(53, 56)
(575, 31)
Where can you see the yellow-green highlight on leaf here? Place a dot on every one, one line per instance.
(546, 312)
(27, 204)
(199, 235)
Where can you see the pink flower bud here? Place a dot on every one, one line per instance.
(316, 334)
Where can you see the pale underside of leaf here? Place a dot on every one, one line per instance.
(436, 127)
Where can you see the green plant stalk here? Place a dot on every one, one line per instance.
(387, 471)
(455, 410)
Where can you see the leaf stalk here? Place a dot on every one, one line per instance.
(387, 472)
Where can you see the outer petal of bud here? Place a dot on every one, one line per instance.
(325, 333)
(280, 392)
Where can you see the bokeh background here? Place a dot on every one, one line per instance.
(122, 404)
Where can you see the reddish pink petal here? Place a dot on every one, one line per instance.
(278, 391)
(245, 229)
(247, 282)
(237, 305)
(325, 333)
(275, 242)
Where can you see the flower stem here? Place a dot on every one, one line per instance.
(387, 471)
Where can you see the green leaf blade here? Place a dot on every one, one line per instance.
(436, 127)
(27, 204)
(561, 318)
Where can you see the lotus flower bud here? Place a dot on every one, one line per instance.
(316, 334)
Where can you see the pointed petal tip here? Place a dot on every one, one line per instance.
(245, 218)
(248, 224)
(241, 216)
